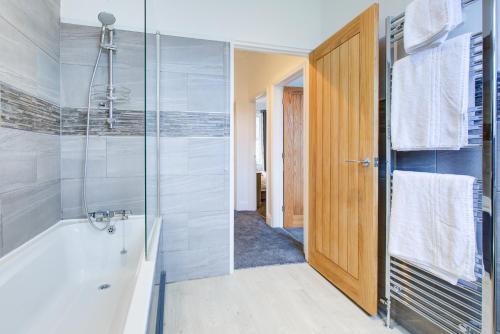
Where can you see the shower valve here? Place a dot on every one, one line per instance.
(101, 216)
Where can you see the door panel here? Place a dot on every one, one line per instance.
(293, 171)
(343, 130)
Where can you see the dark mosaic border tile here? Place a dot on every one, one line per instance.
(194, 124)
(131, 123)
(22, 111)
(128, 123)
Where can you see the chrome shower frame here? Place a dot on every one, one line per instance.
(107, 21)
(110, 47)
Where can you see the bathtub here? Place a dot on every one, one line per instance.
(75, 279)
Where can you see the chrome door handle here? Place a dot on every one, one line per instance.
(364, 163)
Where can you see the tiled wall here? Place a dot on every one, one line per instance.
(29, 120)
(116, 156)
(194, 157)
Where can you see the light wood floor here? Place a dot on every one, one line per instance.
(277, 299)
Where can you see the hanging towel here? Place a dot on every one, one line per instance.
(430, 96)
(432, 223)
(428, 22)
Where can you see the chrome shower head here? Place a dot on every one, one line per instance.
(107, 19)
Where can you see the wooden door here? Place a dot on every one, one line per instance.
(343, 130)
(293, 157)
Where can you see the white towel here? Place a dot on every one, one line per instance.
(430, 96)
(432, 223)
(428, 22)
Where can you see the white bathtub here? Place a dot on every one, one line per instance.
(51, 283)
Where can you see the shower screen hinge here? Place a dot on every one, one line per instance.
(375, 162)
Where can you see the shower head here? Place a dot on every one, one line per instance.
(107, 19)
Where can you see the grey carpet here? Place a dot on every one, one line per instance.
(257, 244)
(297, 233)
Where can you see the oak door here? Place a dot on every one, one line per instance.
(293, 166)
(343, 172)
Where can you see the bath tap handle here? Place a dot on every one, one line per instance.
(123, 213)
(101, 216)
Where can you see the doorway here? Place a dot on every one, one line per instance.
(263, 84)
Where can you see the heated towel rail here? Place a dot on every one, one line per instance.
(454, 309)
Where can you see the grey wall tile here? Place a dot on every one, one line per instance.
(125, 156)
(75, 81)
(25, 66)
(48, 78)
(198, 193)
(189, 55)
(103, 194)
(192, 264)
(17, 170)
(208, 230)
(75, 84)
(208, 156)
(27, 158)
(215, 196)
(208, 93)
(29, 211)
(38, 20)
(26, 141)
(176, 232)
(176, 240)
(173, 202)
(73, 155)
(173, 94)
(174, 155)
(79, 46)
(195, 157)
(30, 192)
(48, 166)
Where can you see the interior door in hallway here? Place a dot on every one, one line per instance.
(293, 112)
(343, 172)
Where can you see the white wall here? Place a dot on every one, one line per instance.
(259, 22)
(255, 74)
(287, 23)
(336, 14)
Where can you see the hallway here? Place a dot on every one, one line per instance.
(257, 244)
(277, 299)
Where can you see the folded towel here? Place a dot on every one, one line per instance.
(428, 22)
(432, 223)
(430, 96)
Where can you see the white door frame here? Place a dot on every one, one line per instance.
(276, 168)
